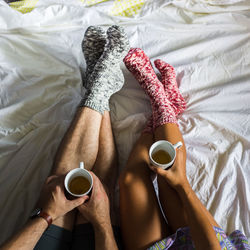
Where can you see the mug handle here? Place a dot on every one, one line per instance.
(81, 165)
(177, 145)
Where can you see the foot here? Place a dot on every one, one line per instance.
(149, 126)
(106, 77)
(139, 65)
(93, 46)
(170, 85)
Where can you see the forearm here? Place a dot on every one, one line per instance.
(201, 229)
(104, 237)
(28, 237)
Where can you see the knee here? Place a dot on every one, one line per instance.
(130, 176)
(124, 178)
(127, 178)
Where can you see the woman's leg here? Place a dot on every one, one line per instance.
(170, 201)
(142, 222)
(164, 122)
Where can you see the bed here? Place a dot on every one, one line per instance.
(41, 71)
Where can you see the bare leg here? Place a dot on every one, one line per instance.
(106, 163)
(80, 143)
(170, 201)
(142, 222)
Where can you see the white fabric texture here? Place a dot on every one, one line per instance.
(40, 87)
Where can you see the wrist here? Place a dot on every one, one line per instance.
(53, 217)
(47, 217)
(43, 224)
(50, 213)
(102, 226)
(183, 189)
(41, 213)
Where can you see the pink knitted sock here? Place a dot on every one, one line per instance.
(139, 65)
(149, 126)
(171, 90)
(170, 85)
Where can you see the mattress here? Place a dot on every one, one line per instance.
(41, 72)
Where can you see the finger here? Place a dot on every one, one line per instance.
(60, 189)
(79, 201)
(158, 170)
(61, 176)
(93, 175)
(153, 168)
(82, 208)
(61, 179)
(96, 181)
(51, 178)
(56, 184)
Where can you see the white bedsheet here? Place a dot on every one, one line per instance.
(40, 87)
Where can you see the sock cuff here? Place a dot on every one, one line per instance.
(94, 104)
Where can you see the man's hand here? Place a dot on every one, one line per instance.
(96, 210)
(52, 199)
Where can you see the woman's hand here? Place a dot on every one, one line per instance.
(176, 175)
(96, 210)
(52, 199)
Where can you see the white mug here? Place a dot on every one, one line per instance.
(81, 171)
(167, 147)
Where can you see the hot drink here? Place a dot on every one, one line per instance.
(79, 185)
(161, 157)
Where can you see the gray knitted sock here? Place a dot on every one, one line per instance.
(107, 78)
(92, 46)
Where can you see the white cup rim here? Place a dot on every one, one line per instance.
(171, 147)
(70, 173)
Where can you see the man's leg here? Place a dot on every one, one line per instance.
(106, 163)
(80, 143)
(106, 167)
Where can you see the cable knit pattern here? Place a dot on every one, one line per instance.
(168, 79)
(107, 78)
(139, 65)
(92, 47)
(149, 126)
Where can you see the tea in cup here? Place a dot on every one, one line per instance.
(162, 153)
(78, 182)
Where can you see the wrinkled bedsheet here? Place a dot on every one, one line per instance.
(41, 71)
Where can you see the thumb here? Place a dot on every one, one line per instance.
(158, 170)
(79, 201)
